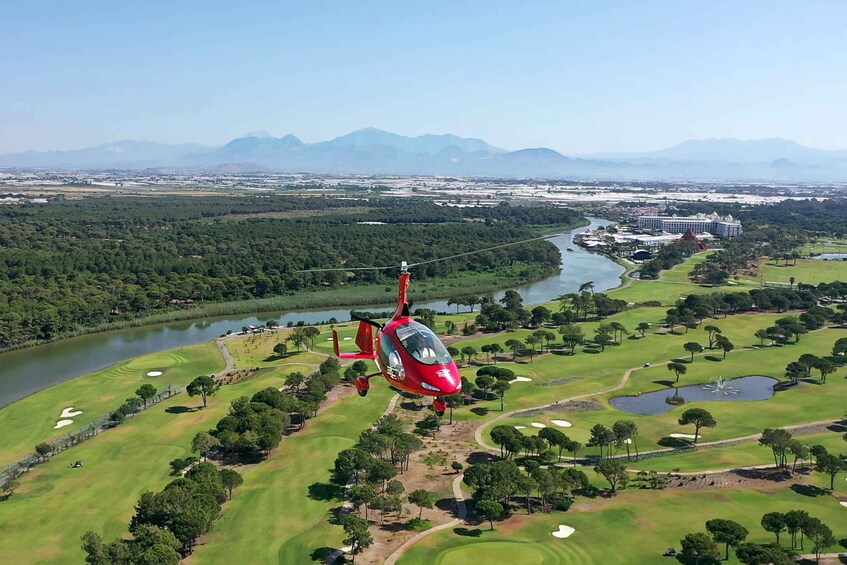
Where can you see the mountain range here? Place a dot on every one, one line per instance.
(374, 151)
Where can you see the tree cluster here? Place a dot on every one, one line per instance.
(166, 524)
(68, 265)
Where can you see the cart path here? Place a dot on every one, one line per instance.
(461, 513)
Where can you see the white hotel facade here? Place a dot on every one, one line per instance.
(701, 223)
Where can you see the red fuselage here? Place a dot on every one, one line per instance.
(432, 375)
(408, 354)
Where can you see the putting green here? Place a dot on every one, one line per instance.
(500, 552)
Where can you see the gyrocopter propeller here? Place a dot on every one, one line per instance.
(407, 353)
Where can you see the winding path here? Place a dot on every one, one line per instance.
(477, 434)
(230, 364)
(461, 513)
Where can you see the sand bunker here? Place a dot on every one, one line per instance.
(520, 427)
(348, 338)
(563, 532)
(538, 425)
(62, 424)
(843, 503)
(682, 436)
(562, 423)
(70, 412)
(154, 374)
(521, 380)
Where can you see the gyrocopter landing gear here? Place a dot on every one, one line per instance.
(439, 406)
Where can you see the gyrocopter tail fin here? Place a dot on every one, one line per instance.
(364, 340)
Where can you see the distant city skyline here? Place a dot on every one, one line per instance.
(577, 77)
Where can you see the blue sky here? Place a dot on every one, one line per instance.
(579, 77)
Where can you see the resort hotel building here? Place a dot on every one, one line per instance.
(701, 223)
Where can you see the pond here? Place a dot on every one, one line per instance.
(830, 257)
(754, 387)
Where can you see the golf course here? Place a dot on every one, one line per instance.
(287, 509)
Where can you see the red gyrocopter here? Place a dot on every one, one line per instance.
(407, 353)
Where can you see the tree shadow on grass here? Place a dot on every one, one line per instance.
(325, 492)
(335, 515)
(838, 427)
(683, 360)
(447, 504)
(480, 410)
(275, 357)
(180, 409)
(479, 457)
(411, 406)
(468, 532)
(591, 350)
(713, 358)
(664, 383)
(675, 442)
(809, 490)
(321, 554)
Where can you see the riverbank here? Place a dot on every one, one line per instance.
(349, 296)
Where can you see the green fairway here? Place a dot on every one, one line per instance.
(829, 245)
(635, 527)
(281, 514)
(806, 271)
(745, 454)
(56, 504)
(30, 420)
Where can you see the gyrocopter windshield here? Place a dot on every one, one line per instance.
(422, 344)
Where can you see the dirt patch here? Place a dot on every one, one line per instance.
(562, 381)
(759, 479)
(561, 408)
(429, 469)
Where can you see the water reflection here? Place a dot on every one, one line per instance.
(754, 387)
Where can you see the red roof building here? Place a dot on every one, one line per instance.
(689, 236)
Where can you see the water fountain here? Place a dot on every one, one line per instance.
(721, 386)
(752, 387)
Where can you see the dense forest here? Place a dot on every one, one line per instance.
(69, 265)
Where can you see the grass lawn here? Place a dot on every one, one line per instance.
(831, 245)
(30, 420)
(56, 504)
(740, 455)
(807, 271)
(636, 526)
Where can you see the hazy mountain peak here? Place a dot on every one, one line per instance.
(260, 133)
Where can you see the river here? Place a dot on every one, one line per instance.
(30, 370)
